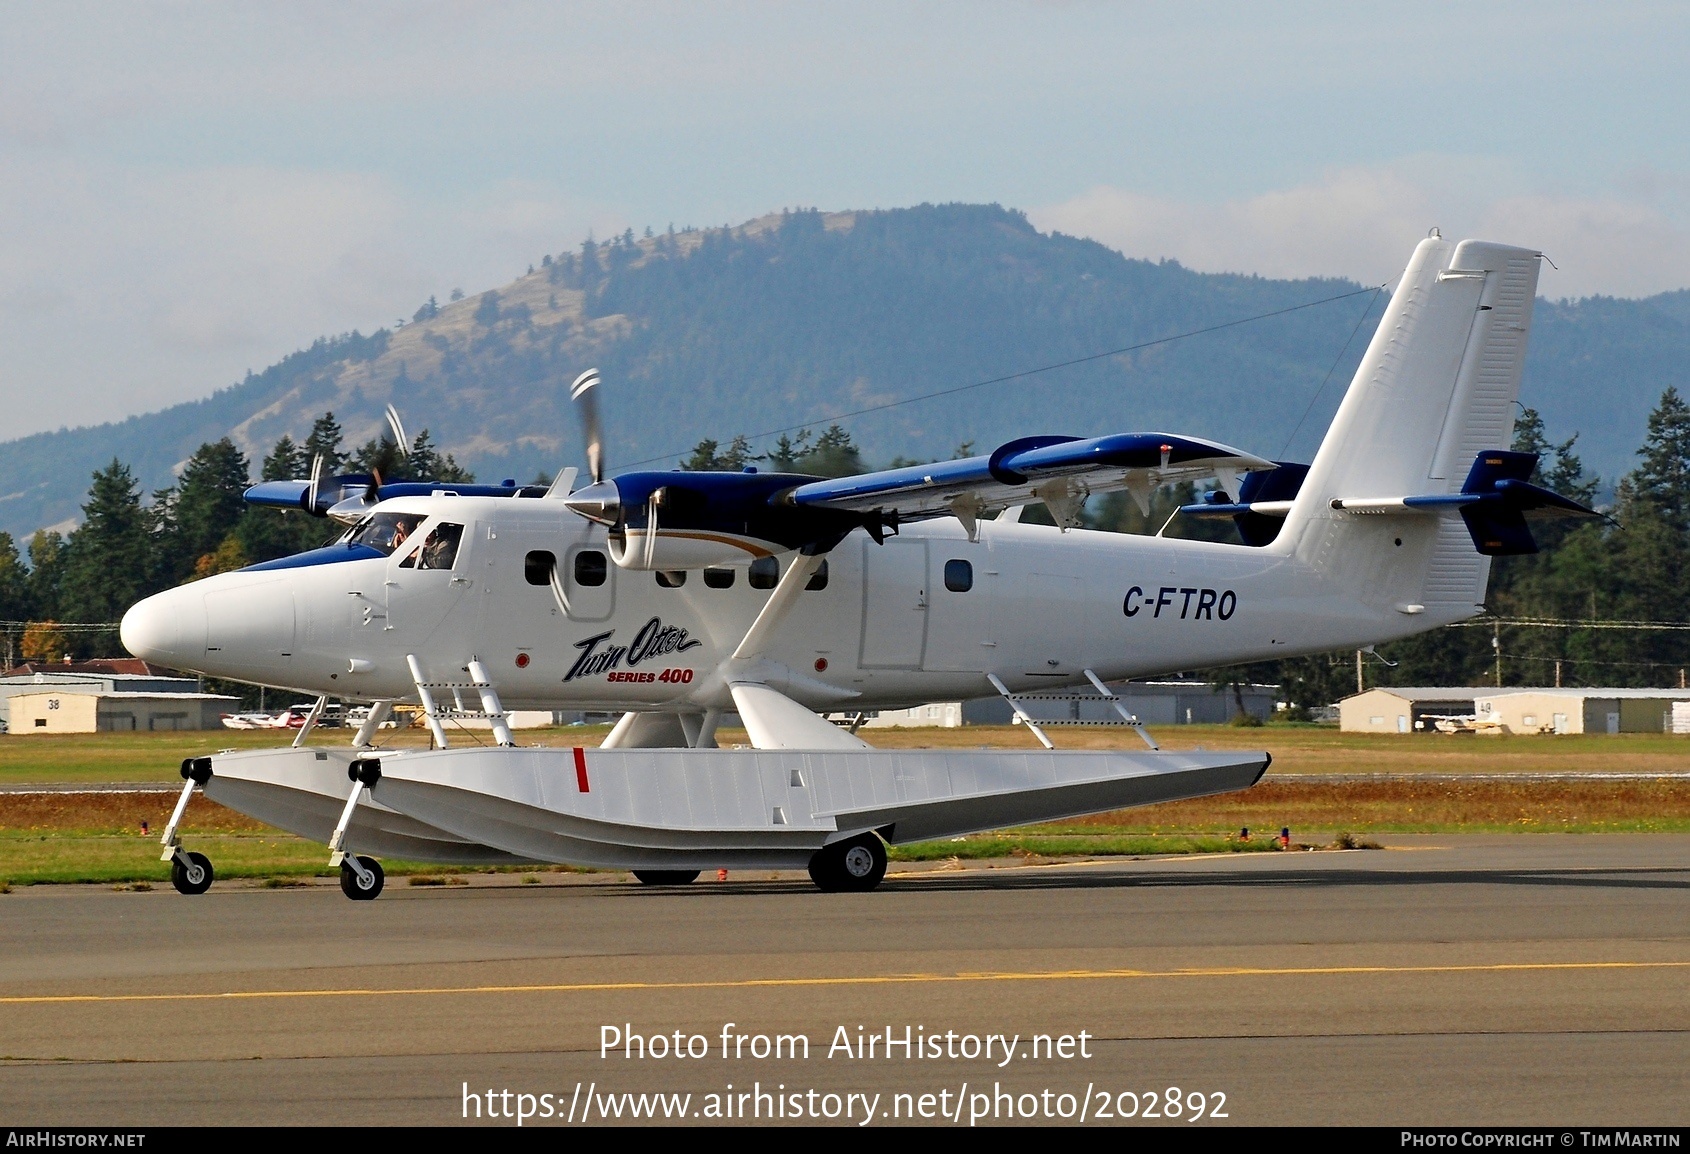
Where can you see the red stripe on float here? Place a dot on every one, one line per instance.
(581, 769)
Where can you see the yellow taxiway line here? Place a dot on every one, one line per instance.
(871, 980)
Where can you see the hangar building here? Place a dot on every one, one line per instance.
(1406, 709)
(104, 696)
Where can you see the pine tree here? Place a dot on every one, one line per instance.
(325, 439)
(1649, 559)
(705, 458)
(426, 463)
(783, 458)
(14, 581)
(46, 572)
(14, 600)
(834, 454)
(286, 462)
(109, 559)
(208, 506)
(1662, 481)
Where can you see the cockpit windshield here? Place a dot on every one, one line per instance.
(385, 531)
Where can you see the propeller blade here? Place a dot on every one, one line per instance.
(373, 492)
(585, 395)
(398, 427)
(311, 490)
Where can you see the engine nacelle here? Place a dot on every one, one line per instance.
(671, 549)
(704, 520)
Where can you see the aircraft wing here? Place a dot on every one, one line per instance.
(1056, 470)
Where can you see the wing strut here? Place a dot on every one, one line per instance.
(777, 607)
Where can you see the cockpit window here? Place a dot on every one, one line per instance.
(385, 531)
(440, 550)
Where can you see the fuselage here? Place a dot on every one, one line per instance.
(526, 587)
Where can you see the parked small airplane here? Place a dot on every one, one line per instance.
(676, 597)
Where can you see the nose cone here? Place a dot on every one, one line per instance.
(600, 502)
(167, 628)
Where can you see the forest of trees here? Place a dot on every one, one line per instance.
(127, 548)
(1625, 574)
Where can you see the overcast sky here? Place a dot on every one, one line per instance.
(189, 190)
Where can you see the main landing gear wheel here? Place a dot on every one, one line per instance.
(190, 873)
(666, 877)
(361, 887)
(854, 866)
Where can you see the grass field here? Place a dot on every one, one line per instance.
(99, 757)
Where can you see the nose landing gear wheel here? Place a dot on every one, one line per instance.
(666, 877)
(854, 866)
(190, 873)
(361, 886)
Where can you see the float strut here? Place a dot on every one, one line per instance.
(311, 720)
(364, 771)
(195, 771)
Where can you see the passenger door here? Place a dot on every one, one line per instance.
(959, 588)
(895, 604)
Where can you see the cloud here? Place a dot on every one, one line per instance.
(1361, 222)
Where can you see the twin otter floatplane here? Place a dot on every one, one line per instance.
(676, 597)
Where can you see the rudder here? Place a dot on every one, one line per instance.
(1436, 387)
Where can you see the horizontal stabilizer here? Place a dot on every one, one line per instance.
(1264, 500)
(1495, 502)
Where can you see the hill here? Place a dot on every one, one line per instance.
(797, 317)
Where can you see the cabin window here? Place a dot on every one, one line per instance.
(818, 579)
(959, 576)
(440, 548)
(719, 578)
(537, 567)
(764, 573)
(385, 531)
(590, 568)
(671, 578)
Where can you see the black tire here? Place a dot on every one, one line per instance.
(191, 873)
(354, 888)
(854, 866)
(666, 877)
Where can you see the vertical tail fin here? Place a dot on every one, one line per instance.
(1436, 387)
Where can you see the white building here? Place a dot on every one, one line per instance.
(80, 710)
(118, 677)
(1407, 709)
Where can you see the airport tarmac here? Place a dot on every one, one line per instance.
(1524, 979)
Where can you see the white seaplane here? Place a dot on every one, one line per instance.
(676, 597)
